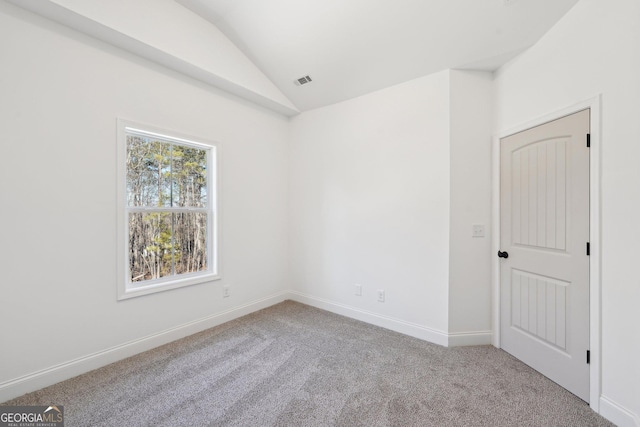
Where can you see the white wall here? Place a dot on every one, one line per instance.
(595, 49)
(470, 175)
(61, 95)
(369, 195)
(385, 189)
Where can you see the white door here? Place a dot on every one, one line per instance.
(544, 210)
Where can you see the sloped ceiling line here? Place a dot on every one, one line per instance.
(353, 47)
(257, 49)
(229, 70)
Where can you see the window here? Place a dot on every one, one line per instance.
(167, 202)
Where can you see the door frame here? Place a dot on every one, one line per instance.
(595, 288)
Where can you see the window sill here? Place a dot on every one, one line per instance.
(128, 291)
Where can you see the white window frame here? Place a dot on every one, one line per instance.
(128, 289)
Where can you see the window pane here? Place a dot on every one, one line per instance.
(148, 172)
(190, 231)
(169, 241)
(189, 177)
(150, 246)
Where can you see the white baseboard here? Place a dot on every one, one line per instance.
(46, 377)
(407, 328)
(37, 380)
(620, 416)
(460, 339)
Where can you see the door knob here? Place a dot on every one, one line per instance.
(503, 254)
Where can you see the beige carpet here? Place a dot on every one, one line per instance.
(294, 365)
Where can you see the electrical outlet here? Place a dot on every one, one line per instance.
(380, 295)
(358, 290)
(477, 230)
(226, 291)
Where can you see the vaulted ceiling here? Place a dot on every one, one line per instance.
(257, 49)
(352, 47)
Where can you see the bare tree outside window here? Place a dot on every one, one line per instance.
(167, 204)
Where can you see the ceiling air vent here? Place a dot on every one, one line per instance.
(302, 81)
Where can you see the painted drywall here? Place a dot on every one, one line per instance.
(370, 182)
(593, 50)
(61, 95)
(167, 33)
(369, 202)
(470, 194)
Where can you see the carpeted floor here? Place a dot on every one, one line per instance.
(294, 365)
